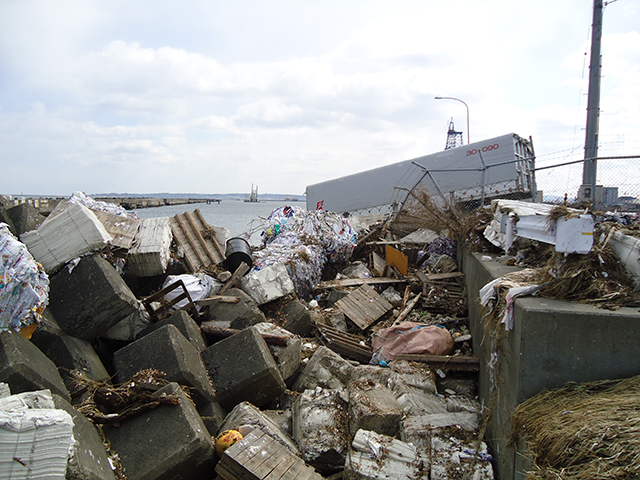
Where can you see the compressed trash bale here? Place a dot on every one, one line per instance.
(325, 369)
(376, 456)
(24, 367)
(90, 299)
(88, 458)
(66, 236)
(241, 315)
(287, 357)
(5, 391)
(267, 284)
(319, 425)
(71, 355)
(419, 429)
(168, 351)
(24, 285)
(373, 407)
(150, 252)
(242, 368)
(297, 318)
(169, 442)
(245, 416)
(453, 457)
(185, 324)
(34, 442)
(416, 375)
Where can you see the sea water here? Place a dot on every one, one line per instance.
(242, 219)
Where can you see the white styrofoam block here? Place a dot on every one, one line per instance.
(267, 284)
(71, 233)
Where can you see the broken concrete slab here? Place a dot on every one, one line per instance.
(168, 351)
(246, 416)
(376, 456)
(242, 368)
(297, 318)
(287, 357)
(320, 428)
(25, 217)
(71, 355)
(90, 299)
(373, 407)
(25, 368)
(88, 458)
(267, 284)
(325, 369)
(166, 443)
(183, 322)
(150, 252)
(71, 233)
(242, 314)
(34, 442)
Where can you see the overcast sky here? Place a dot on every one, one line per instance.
(212, 96)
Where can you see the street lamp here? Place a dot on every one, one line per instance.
(453, 98)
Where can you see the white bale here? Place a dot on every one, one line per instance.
(268, 284)
(150, 253)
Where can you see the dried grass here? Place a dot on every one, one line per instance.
(587, 431)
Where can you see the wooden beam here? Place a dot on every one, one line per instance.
(448, 362)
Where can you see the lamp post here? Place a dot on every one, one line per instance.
(457, 99)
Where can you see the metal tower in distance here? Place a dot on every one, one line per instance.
(454, 139)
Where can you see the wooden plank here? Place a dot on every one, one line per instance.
(397, 259)
(443, 276)
(353, 282)
(240, 271)
(471, 364)
(281, 468)
(364, 306)
(378, 264)
(211, 234)
(189, 235)
(196, 230)
(206, 302)
(266, 449)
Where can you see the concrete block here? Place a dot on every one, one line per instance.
(241, 315)
(169, 351)
(242, 368)
(130, 327)
(419, 430)
(373, 407)
(34, 443)
(169, 442)
(183, 322)
(246, 416)
(297, 318)
(90, 299)
(25, 218)
(150, 253)
(88, 458)
(213, 416)
(267, 284)
(61, 238)
(376, 456)
(287, 357)
(24, 367)
(320, 428)
(325, 369)
(70, 354)
(451, 457)
(282, 418)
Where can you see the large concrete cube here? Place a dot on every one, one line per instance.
(325, 369)
(287, 357)
(242, 368)
(320, 428)
(24, 367)
(91, 298)
(373, 407)
(183, 322)
(169, 442)
(169, 351)
(241, 315)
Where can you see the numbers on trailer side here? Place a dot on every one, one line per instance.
(486, 148)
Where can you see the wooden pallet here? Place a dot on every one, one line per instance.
(197, 239)
(260, 457)
(344, 343)
(364, 306)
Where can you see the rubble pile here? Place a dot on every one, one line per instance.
(141, 374)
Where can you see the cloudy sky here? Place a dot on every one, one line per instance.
(212, 96)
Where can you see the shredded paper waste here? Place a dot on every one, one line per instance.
(112, 208)
(304, 241)
(24, 285)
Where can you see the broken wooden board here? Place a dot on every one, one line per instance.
(352, 282)
(397, 259)
(379, 264)
(448, 362)
(364, 306)
(344, 343)
(260, 457)
(197, 239)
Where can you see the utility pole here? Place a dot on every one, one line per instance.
(593, 107)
